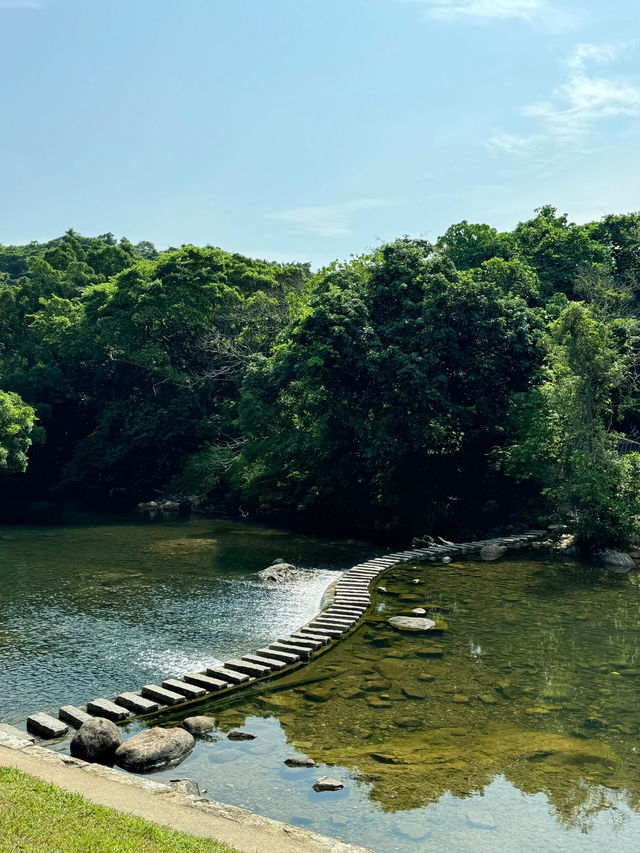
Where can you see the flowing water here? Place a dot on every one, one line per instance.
(98, 606)
(514, 728)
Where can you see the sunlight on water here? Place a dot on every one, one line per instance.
(94, 609)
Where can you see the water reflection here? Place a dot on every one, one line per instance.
(530, 688)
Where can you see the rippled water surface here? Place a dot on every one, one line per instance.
(94, 608)
(516, 728)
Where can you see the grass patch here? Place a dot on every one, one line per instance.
(39, 817)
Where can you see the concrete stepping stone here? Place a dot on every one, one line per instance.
(162, 695)
(73, 716)
(229, 675)
(336, 619)
(136, 703)
(46, 726)
(258, 658)
(107, 709)
(298, 643)
(255, 669)
(305, 632)
(285, 656)
(283, 649)
(308, 641)
(209, 684)
(191, 691)
(330, 631)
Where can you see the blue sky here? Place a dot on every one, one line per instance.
(313, 129)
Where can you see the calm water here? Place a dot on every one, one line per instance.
(94, 608)
(514, 729)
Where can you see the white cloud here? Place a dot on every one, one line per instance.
(328, 220)
(511, 143)
(601, 54)
(579, 104)
(536, 12)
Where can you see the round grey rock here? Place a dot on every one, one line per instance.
(198, 726)
(324, 783)
(185, 786)
(96, 740)
(412, 623)
(299, 761)
(278, 573)
(154, 748)
(492, 552)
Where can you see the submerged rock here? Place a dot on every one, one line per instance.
(412, 623)
(154, 748)
(492, 552)
(324, 783)
(198, 726)
(238, 735)
(616, 561)
(299, 761)
(96, 740)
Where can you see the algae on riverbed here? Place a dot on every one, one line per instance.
(523, 683)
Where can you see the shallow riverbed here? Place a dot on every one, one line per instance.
(514, 729)
(101, 605)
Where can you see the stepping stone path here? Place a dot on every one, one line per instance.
(351, 600)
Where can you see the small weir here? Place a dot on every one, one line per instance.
(349, 600)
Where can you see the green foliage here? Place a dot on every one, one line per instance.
(17, 432)
(396, 369)
(43, 818)
(377, 392)
(567, 426)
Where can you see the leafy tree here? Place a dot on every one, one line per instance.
(469, 245)
(396, 374)
(17, 432)
(567, 427)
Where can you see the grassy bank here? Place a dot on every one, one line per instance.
(41, 818)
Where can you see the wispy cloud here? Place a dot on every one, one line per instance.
(328, 220)
(538, 13)
(581, 103)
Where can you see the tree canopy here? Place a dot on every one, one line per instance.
(420, 385)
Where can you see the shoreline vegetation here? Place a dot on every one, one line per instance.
(485, 380)
(40, 816)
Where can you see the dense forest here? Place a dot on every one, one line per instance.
(485, 378)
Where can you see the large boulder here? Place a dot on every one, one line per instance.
(492, 552)
(412, 623)
(96, 740)
(617, 562)
(278, 573)
(154, 748)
